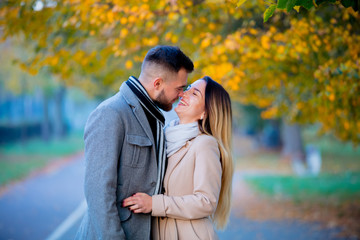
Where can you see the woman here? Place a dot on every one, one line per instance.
(199, 172)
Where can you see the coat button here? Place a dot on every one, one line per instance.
(153, 184)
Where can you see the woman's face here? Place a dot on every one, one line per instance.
(192, 104)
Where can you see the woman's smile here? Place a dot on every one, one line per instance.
(183, 103)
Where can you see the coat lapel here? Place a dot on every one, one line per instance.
(131, 99)
(174, 160)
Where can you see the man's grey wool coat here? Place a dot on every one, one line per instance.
(120, 160)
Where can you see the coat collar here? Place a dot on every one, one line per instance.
(138, 111)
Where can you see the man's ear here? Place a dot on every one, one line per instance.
(158, 82)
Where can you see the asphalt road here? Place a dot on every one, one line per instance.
(34, 208)
(50, 205)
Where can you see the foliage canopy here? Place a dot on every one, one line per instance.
(302, 65)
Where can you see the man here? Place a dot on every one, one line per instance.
(124, 146)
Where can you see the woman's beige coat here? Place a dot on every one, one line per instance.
(192, 186)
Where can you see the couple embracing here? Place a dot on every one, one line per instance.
(147, 181)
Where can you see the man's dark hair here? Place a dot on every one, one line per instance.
(170, 57)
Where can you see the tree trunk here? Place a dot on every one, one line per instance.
(26, 121)
(293, 147)
(23, 121)
(59, 120)
(45, 126)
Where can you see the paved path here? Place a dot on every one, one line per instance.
(244, 229)
(33, 209)
(45, 205)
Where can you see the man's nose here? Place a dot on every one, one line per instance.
(181, 93)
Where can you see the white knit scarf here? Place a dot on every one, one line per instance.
(176, 135)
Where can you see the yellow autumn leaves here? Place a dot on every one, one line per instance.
(306, 68)
(309, 72)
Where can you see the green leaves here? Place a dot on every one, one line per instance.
(307, 4)
(240, 2)
(351, 3)
(348, 3)
(290, 5)
(269, 12)
(281, 4)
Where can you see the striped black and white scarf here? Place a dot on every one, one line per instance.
(149, 105)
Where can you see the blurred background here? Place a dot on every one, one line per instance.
(292, 69)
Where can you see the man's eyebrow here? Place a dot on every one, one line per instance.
(183, 86)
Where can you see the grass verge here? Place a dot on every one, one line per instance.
(339, 187)
(19, 160)
(339, 178)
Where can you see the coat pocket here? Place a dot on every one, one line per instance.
(124, 214)
(140, 150)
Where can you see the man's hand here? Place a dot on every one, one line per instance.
(139, 203)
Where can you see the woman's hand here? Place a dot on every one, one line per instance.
(139, 203)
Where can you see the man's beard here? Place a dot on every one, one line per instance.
(162, 102)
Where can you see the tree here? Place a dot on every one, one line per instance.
(304, 66)
(24, 82)
(290, 5)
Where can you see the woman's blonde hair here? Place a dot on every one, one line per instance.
(217, 122)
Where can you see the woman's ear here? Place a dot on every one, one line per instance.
(202, 116)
